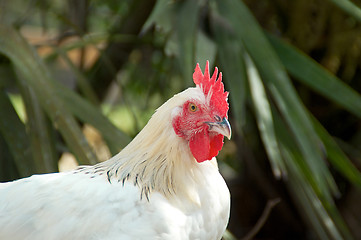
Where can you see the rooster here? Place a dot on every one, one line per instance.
(164, 185)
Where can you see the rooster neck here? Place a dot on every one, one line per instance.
(157, 160)
(162, 163)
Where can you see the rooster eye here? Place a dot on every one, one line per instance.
(192, 107)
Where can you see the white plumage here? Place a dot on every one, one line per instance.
(153, 189)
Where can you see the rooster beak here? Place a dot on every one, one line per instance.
(222, 127)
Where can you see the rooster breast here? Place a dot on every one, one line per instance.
(79, 206)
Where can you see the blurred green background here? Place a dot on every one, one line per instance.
(81, 78)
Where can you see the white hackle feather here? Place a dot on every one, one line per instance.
(152, 189)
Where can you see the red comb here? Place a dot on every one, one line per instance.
(212, 86)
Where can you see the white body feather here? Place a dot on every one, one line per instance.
(153, 189)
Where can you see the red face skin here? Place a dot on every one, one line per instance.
(191, 125)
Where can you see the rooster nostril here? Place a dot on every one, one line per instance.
(217, 118)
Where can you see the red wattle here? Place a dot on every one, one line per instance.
(216, 145)
(205, 148)
(199, 145)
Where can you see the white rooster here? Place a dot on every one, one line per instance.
(164, 185)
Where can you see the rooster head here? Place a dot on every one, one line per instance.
(202, 120)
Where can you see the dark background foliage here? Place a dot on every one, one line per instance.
(81, 78)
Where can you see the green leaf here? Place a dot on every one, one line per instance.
(39, 132)
(185, 27)
(337, 157)
(14, 133)
(82, 82)
(159, 16)
(349, 7)
(307, 199)
(205, 50)
(288, 141)
(321, 212)
(88, 113)
(310, 73)
(298, 124)
(8, 169)
(265, 119)
(228, 236)
(279, 85)
(230, 52)
(39, 78)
